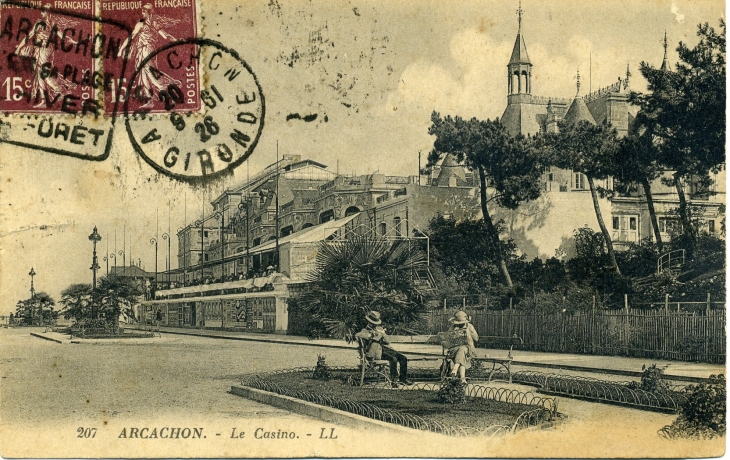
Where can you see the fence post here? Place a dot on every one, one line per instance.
(463, 302)
(510, 302)
(709, 305)
(666, 303)
(593, 326)
(444, 305)
(626, 302)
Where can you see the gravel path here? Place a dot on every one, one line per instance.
(48, 391)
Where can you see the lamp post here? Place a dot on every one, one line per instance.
(124, 268)
(113, 256)
(201, 222)
(185, 246)
(32, 295)
(166, 236)
(94, 238)
(216, 216)
(106, 259)
(32, 289)
(154, 241)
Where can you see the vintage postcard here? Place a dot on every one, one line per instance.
(301, 228)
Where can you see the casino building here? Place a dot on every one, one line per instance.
(239, 264)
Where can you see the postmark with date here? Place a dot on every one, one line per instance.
(187, 145)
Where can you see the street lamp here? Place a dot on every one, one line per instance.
(275, 193)
(154, 241)
(217, 216)
(166, 236)
(112, 256)
(201, 222)
(94, 238)
(106, 259)
(124, 261)
(185, 245)
(32, 289)
(32, 295)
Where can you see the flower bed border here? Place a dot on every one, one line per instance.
(545, 412)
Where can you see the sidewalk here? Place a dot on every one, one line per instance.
(615, 365)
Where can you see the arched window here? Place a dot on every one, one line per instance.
(351, 210)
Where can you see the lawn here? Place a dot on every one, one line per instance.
(476, 415)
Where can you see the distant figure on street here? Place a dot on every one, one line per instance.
(158, 320)
(377, 346)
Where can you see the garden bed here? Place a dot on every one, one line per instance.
(619, 393)
(487, 410)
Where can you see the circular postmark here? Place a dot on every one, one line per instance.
(194, 145)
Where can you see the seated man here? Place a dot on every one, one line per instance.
(377, 347)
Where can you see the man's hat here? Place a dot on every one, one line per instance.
(373, 317)
(459, 318)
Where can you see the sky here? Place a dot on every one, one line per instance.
(374, 70)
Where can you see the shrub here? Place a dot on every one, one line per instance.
(652, 380)
(703, 416)
(322, 371)
(452, 391)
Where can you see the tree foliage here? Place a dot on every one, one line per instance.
(509, 165)
(114, 296)
(685, 110)
(360, 274)
(36, 311)
(591, 150)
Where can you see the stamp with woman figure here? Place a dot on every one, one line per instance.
(153, 26)
(50, 56)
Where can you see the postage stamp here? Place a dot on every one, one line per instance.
(153, 25)
(50, 58)
(192, 146)
(54, 77)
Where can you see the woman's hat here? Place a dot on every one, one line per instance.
(459, 318)
(373, 317)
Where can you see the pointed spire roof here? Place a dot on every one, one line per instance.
(450, 168)
(519, 51)
(578, 110)
(665, 62)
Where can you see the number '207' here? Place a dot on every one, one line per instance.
(86, 432)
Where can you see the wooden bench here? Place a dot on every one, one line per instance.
(484, 342)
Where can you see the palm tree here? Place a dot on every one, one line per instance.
(363, 273)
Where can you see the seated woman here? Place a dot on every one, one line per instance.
(461, 355)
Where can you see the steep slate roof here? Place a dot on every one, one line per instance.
(519, 51)
(450, 168)
(578, 111)
(524, 118)
(132, 271)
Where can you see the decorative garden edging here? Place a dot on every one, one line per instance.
(591, 389)
(545, 410)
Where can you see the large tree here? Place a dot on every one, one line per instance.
(115, 296)
(508, 168)
(685, 109)
(77, 301)
(364, 273)
(637, 161)
(591, 150)
(37, 310)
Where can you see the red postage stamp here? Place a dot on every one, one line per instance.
(154, 24)
(49, 57)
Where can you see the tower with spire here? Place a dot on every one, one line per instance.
(519, 68)
(529, 114)
(665, 62)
